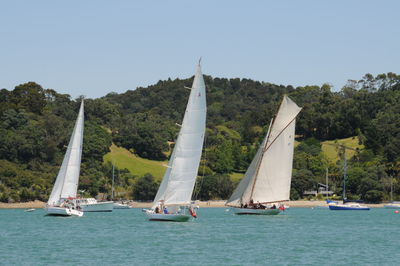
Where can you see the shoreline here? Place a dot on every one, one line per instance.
(202, 204)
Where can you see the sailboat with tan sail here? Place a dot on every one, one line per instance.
(266, 183)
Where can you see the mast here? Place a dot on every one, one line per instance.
(344, 176)
(112, 185)
(391, 190)
(327, 187)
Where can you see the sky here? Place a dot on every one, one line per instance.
(95, 47)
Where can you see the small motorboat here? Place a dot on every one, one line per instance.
(92, 205)
(348, 206)
(121, 205)
(392, 205)
(30, 210)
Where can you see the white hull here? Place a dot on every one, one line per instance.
(244, 211)
(106, 206)
(60, 211)
(392, 206)
(121, 206)
(176, 217)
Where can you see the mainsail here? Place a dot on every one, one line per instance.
(269, 175)
(178, 182)
(66, 184)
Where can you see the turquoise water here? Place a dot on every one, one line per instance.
(124, 237)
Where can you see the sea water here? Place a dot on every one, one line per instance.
(300, 236)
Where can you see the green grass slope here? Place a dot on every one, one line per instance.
(136, 165)
(330, 148)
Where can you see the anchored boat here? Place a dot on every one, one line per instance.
(347, 205)
(173, 199)
(92, 205)
(266, 183)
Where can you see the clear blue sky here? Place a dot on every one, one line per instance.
(94, 47)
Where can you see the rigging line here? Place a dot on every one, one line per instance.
(204, 168)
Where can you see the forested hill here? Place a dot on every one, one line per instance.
(36, 124)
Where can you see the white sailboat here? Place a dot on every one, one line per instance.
(346, 205)
(121, 205)
(392, 204)
(173, 199)
(266, 183)
(66, 185)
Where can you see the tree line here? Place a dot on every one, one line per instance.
(36, 124)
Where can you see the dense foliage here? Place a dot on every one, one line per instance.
(36, 124)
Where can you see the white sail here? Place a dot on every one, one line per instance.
(242, 191)
(269, 176)
(66, 184)
(180, 177)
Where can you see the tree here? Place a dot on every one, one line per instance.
(29, 96)
(215, 187)
(373, 196)
(145, 188)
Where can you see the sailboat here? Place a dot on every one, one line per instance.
(173, 199)
(392, 204)
(347, 205)
(61, 201)
(266, 183)
(117, 204)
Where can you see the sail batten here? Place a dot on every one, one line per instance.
(178, 182)
(269, 175)
(66, 184)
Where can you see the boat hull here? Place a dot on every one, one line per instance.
(245, 211)
(106, 206)
(167, 217)
(392, 206)
(121, 206)
(339, 207)
(60, 211)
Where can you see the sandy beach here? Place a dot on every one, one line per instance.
(37, 204)
(202, 204)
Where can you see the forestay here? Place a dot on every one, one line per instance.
(66, 184)
(180, 176)
(269, 176)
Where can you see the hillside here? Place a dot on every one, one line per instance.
(140, 166)
(331, 148)
(137, 166)
(36, 125)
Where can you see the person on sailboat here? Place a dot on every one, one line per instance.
(251, 204)
(165, 210)
(193, 212)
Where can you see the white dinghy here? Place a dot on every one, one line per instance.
(61, 201)
(173, 199)
(266, 183)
